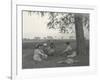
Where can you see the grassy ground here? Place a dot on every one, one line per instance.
(51, 61)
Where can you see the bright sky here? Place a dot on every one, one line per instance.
(36, 26)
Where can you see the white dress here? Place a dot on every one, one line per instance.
(37, 55)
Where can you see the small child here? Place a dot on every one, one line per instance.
(51, 49)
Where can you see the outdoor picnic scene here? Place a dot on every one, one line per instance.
(54, 39)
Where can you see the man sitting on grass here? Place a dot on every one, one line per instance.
(69, 55)
(68, 49)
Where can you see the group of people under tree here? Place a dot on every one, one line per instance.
(43, 51)
(63, 20)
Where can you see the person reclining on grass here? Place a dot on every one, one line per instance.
(38, 53)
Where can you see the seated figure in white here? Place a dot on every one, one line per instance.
(39, 54)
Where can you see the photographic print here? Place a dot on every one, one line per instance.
(54, 39)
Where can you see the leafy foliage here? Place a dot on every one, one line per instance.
(62, 21)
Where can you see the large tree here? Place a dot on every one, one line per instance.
(81, 47)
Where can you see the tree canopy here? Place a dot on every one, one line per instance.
(63, 21)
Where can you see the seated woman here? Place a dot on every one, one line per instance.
(45, 48)
(38, 53)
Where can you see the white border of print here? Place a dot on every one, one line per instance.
(19, 73)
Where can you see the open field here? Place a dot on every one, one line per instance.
(27, 55)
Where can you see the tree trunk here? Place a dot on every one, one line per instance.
(81, 50)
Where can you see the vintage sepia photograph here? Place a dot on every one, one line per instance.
(54, 39)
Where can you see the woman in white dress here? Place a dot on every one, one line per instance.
(38, 53)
